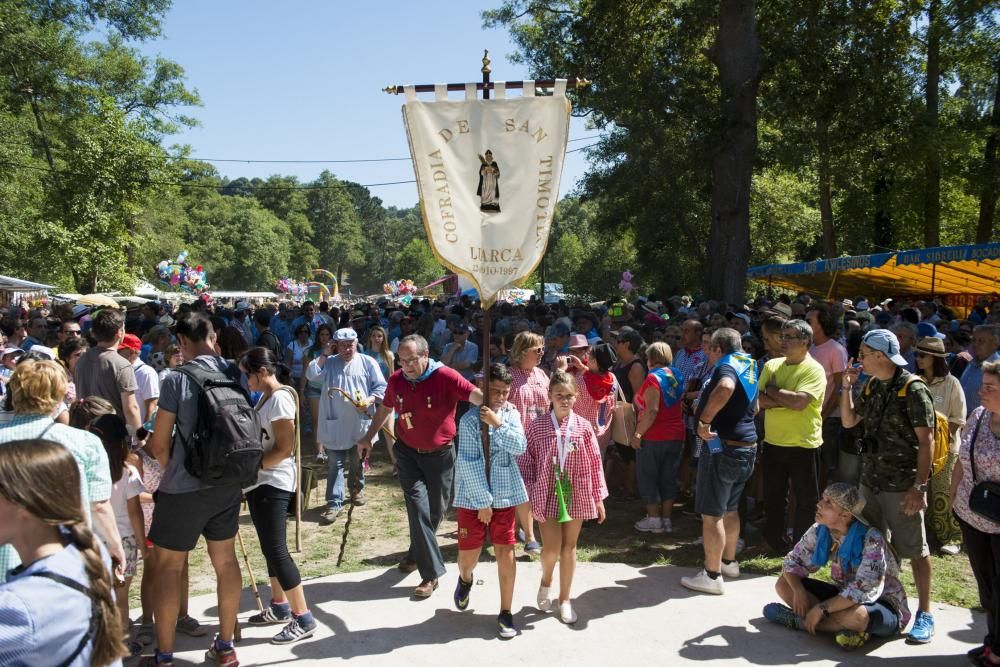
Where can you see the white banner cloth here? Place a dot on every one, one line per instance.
(488, 174)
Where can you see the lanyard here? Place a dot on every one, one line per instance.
(562, 442)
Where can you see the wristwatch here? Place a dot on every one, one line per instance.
(922, 488)
(638, 435)
(822, 608)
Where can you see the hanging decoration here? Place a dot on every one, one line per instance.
(625, 284)
(292, 287)
(400, 290)
(177, 273)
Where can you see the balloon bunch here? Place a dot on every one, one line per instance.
(517, 297)
(625, 284)
(398, 288)
(292, 287)
(177, 273)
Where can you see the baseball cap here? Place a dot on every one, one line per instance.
(557, 330)
(242, 305)
(885, 342)
(12, 350)
(131, 342)
(344, 335)
(742, 316)
(849, 497)
(45, 350)
(928, 330)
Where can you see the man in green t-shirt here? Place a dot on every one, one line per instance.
(792, 391)
(898, 416)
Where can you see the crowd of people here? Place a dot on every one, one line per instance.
(850, 433)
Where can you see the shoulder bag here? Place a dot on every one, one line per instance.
(623, 421)
(985, 497)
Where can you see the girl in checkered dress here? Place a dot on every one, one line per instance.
(597, 397)
(562, 441)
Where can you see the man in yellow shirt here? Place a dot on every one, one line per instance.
(791, 394)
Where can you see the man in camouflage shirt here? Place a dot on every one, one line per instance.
(898, 415)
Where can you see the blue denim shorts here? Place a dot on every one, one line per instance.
(721, 478)
(883, 619)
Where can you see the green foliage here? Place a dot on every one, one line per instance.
(843, 132)
(416, 261)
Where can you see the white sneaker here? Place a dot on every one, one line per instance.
(668, 525)
(951, 549)
(703, 583)
(731, 570)
(544, 602)
(649, 524)
(566, 613)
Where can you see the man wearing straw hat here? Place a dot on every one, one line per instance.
(866, 597)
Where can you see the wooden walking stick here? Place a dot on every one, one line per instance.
(237, 633)
(350, 510)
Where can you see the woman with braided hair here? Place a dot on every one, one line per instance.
(57, 607)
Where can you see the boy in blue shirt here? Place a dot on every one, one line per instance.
(489, 505)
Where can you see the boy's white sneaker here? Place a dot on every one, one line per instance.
(731, 570)
(703, 583)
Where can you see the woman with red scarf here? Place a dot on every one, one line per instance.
(591, 368)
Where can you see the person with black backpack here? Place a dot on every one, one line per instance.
(207, 439)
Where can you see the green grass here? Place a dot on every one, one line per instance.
(379, 534)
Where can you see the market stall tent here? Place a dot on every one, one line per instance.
(15, 290)
(967, 270)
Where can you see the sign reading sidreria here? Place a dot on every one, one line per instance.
(488, 174)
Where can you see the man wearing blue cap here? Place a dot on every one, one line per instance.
(352, 384)
(897, 411)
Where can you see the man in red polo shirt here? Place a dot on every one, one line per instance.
(424, 394)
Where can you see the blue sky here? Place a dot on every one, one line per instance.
(302, 80)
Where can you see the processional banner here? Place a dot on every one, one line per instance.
(488, 174)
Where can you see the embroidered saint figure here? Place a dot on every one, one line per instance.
(489, 183)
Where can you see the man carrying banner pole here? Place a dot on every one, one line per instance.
(424, 394)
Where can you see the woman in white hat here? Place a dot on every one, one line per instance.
(949, 400)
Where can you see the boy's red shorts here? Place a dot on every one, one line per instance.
(472, 531)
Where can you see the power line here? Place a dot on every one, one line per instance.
(60, 149)
(206, 186)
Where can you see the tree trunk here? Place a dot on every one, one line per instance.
(932, 163)
(882, 233)
(736, 54)
(825, 198)
(991, 172)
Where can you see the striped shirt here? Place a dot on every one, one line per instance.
(86, 448)
(507, 442)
